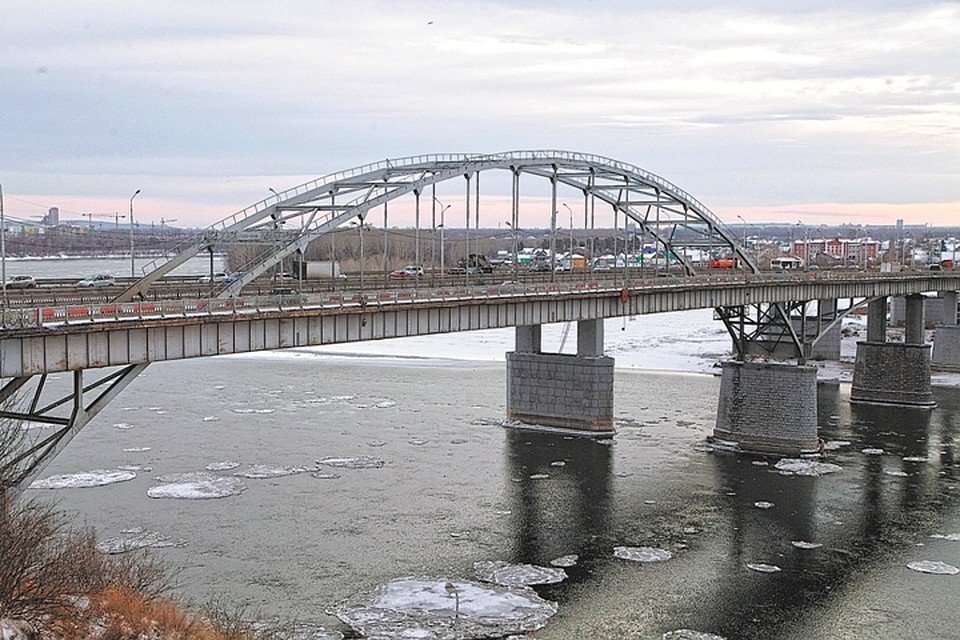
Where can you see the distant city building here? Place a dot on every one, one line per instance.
(840, 250)
(52, 219)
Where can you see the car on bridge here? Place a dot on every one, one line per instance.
(409, 271)
(97, 281)
(21, 282)
(219, 277)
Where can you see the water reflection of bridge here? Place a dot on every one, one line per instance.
(866, 517)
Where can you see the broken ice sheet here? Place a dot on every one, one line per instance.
(642, 554)
(934, 566)
(516, 575)
(195, 486)
(762, 567)
(953, 537)
(803, 544)
(690, 634)
(262, 471)
(226, 465)
(85, 479)
(355, 462)
(833, 445)
(298, 631)
(804, 467)
(134, 539)
(436, 609)
(565, 561)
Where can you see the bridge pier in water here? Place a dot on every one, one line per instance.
(767, 408)
(893, 373)
(946, 342)
(571, 392)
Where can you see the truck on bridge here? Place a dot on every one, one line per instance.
(319, 270)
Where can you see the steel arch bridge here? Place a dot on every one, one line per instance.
(290, 220)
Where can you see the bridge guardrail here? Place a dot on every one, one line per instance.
(70, 314)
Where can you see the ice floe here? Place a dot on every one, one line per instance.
(539, 476)
(195, 486)
(872, 451)
(833, 445)
(916, 459)
(136, 449)
(298, 631)
(516, 575)
(262, 471)
(247, 411)
(85, 479)
(438, 609)
(803, 544)
(417, 442)
(565, 561)
(210, 419)
(325, 475)
(354, 462)
(225, 465)
(690, 634)
(953, 537)
(934, 567)
(123, 426)
(804, 467)
(763, 504)
(385, 404)
(762, 567)
(133, 539)
(558, 463)
(897, 473)
(642, 554)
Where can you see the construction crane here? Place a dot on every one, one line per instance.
(115, 215)
(164, 221)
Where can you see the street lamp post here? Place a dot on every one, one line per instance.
(3, 252)
(133, 264)
(443, 209)
(744, 243)
(513, 249)
(570, 211)
(360, 226)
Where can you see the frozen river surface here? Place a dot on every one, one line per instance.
(292, 482)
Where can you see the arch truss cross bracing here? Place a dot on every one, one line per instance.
(632, 200)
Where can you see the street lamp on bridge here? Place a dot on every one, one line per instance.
(360, 225)
(133, 264)
(433, 258)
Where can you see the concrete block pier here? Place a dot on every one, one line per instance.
(572, 392)
(946, 341)
(891, 372)
(767, 408)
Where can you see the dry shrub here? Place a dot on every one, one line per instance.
(126, 613)
(54, 577)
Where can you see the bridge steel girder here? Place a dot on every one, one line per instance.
(66, 411)
(234, 329)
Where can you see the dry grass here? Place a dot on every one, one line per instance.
(55, 578)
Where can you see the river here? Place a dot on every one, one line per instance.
(437, 483)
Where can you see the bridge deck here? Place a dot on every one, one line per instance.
(51, 339)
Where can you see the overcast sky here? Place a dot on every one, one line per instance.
(761, 109)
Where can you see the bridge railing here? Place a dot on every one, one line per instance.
(53, 316)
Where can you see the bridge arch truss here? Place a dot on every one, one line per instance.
(288, 221)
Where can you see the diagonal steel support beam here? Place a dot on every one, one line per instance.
(24, 467)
